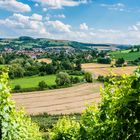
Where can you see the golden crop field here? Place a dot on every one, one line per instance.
(59, 101)
(105, 70)
(46, 60)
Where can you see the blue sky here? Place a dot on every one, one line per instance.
(95, 21)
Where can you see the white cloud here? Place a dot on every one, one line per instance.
(49, 16)
(59, 26)
(38, 26)
(116, 7)
(45, 9)
(36, 5)
(84, 26)
(20, 24)
(14, 6)
(36, 17)
(58, 4)
(59, 16)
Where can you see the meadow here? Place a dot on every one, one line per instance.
(126, 54)
(32, 82)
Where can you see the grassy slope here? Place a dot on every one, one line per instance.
(31, 82)
(126, 55)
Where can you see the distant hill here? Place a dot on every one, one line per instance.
(29, 42)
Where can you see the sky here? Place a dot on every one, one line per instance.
(92, 21)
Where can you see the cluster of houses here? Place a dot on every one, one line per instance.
(35, 52)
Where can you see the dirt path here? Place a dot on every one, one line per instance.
(59, 101)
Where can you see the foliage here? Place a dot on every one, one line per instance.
(65, 129)
(120, 62)
(47, 121)
(15, 125)
(63, 79)
(88, 77)
(103, 60)
(17, 87)
(75, 80)
(116, 117)
(42, 85)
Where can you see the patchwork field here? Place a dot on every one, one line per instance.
(60, 101)
(105, 70)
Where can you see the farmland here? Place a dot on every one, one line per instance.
(32, 82)
(126, 55)
(105, 70)
(59, 101)
(45, 60)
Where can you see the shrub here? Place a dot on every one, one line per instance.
(42, 74)
(88, 77)
(14, 125)
(75, 80)
(17, 87)
(63, 79)
(120, 62)
(42, 85)
(117, 117)
(65, 129)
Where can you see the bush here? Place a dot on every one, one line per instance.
(75, 80)
(120, 62)
(88, 77)
(17, 87)
(14, 125)
(42, 74)
(103, 60)
(63, 79)
(117, 117)
(65, 129)
(42, 85)
(75, 72)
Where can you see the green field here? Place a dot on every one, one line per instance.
(32, 82)
(126, 55)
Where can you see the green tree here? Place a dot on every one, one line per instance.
(63, 79)
(17, 87)
(2, 60)
(42, 85)
(88, 77)
(120, 62)
(78, 65)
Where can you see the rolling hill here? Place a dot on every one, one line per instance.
(29, 42)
